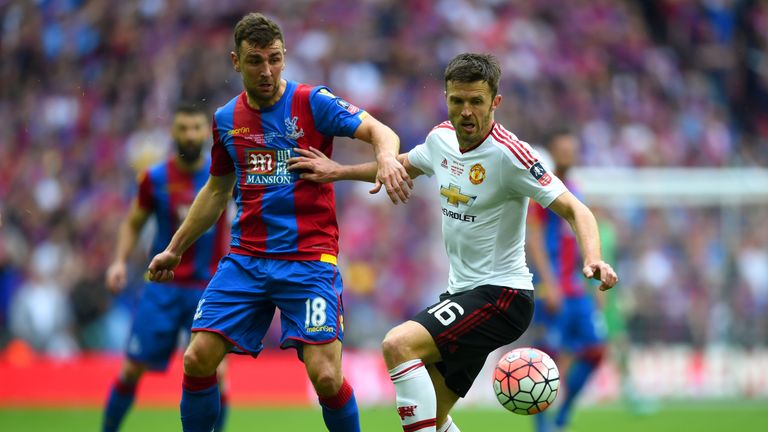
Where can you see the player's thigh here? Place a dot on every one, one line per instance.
(154, 332)
(308, 294)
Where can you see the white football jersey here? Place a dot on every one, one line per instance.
(484, 194)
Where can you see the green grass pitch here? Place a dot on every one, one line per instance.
(677, 417)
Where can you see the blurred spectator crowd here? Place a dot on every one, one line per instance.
(87, 88)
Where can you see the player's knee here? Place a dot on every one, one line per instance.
(327, 380)
(396, 348)
(132, 371)
(197, 363)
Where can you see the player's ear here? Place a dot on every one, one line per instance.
(235, 63)
(496, 102)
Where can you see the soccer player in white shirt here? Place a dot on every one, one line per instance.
(486, 177)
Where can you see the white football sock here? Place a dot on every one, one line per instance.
(449, 426)
(416, 400)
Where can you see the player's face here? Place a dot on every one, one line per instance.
(564, 150)
(261, 69)
(470, 109)
(189, 131)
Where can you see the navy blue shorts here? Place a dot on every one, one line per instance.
(241, 299)
(164, 310)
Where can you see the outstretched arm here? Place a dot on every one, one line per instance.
(583, 223)
(210, 202)
(317, 167)
(127, 237)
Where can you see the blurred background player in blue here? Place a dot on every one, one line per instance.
(568, 323)
(166, 192)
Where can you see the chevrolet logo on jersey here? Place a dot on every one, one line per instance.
(453, 195)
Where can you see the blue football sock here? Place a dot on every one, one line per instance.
(340, 412)
(120, 401)
(200, 403)
(223, 411)
(541, 422)
(578, 375)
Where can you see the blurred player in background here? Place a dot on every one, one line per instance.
(284, 236)
(486, 178)
(166, 191)
(572, 328)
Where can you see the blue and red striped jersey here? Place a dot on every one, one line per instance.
(279, 215)
(167, 192)
(562, 248)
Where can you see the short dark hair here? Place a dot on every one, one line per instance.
(189, 109)
(553, 134)
(258, 30)
(471, 67)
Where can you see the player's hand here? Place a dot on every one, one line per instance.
(162, 265)
(602, 271)
(392, 175)
(316, 166)
(116, 277)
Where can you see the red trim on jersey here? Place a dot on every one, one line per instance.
(253, 231)
(315, 202)
(513, 148)
(221, 161)
(479, 142)
(444, 125)
(520, 145)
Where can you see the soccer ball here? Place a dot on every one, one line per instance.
(526, 381)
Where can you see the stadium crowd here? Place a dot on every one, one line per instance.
(88, 88)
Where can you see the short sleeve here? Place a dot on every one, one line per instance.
(527, 176)
(221, 162)
(333, 115)
(420, 158)
(145, 199)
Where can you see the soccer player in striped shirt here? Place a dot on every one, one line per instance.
(166, 191)
(284, 235)
(486, 177)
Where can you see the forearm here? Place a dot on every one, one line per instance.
(363, 172)
(584, 225)
(204, 212)
(385, 142)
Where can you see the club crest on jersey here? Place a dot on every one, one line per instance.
(347, 106)
(292, 130)
(476, 174)
(540, 174)
(267, 166)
